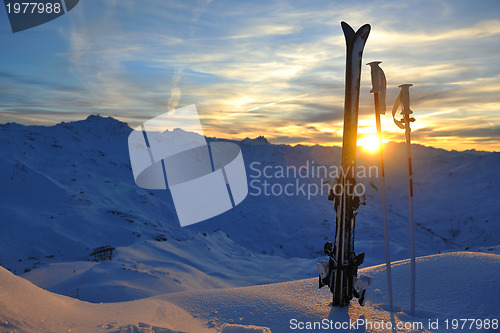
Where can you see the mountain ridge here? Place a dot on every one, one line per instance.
(95, 118)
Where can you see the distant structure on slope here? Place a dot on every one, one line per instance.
(103, 253)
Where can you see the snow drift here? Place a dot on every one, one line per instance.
(449, 286)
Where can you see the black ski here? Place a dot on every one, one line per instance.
(343, 265)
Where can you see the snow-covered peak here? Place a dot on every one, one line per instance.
(98, 125)
(260, 140)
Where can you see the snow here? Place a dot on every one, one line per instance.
(232, 328)
(451, 285)
(150, 268)
(69, 188)
(25, 307)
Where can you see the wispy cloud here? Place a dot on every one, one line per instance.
(175, 91)
(272, 67)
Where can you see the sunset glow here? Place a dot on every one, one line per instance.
(273, 69)
(370, 144)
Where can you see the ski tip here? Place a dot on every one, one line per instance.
(345, 25)
(348, 31)
(365, 27)
(364, 31)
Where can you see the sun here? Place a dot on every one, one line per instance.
(369, 143)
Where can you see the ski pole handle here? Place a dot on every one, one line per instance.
(379, 84)
(405, 98)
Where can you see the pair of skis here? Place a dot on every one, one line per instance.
(340, 274)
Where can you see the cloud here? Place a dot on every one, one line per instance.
(490, 133)
(131, 61)
(197, 12)
(389, 38)
(175, 92)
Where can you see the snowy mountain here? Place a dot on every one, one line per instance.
(68, 189)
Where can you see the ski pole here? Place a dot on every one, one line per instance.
(378, 90)
(404, 99)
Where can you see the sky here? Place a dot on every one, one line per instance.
(272, 68)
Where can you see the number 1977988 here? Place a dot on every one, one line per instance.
(471, 324)
(33, 8)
